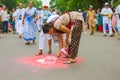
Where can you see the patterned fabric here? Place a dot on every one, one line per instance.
(75, 39)
(30, 28)
(65, 19)
(76, 30)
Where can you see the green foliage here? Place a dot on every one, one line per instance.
(14, 3)
(116, 2)
(74, 5)
(9, 3)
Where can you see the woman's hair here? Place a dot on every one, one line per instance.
(46, 27)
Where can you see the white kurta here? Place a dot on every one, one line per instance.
(118, 17)
(44, 37)
(106, 20)
(19, 13)
(40, 21)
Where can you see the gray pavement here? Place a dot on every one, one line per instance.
(101, 54)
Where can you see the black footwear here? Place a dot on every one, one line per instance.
(91, 33)
(111, 35)
(33, 41)
(27, 43)
(39, 30)
(104, 35)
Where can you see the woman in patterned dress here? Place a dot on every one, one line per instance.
(70, 23)
(30, 26)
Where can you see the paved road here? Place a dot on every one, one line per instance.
(101, 60)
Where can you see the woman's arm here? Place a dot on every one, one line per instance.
(36, 18)
(67, 31)
(60, 43)
(64, 29)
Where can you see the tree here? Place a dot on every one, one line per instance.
(9, 3)
(71, 5)
(14, 3)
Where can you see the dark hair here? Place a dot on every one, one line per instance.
(46, 27)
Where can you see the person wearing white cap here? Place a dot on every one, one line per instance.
(107, 13)
(118, 18)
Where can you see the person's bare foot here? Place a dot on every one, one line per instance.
(50, 52)
(66, 56)
(20, 36)
(39, 53)
(59, 55)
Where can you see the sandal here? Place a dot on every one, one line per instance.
(69, 62)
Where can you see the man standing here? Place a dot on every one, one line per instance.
(107, 13)
(18, 14)
(4, 15)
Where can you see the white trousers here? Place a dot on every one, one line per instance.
(109, 26)
(43, 40)
(118, 25)
(16, 26)
(19, 28)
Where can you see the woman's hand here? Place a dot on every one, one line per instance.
(65, 44)
(60, 44)
(59, 54)
(35, 21)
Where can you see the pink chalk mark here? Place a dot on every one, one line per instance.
(46, 61)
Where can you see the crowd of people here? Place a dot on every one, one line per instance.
(104, 20)
(65, 29)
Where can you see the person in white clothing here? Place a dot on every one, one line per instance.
(107, 14)
(40, 21)
(46, 37)
(18, 14)
(4, 16)
(118, 18)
